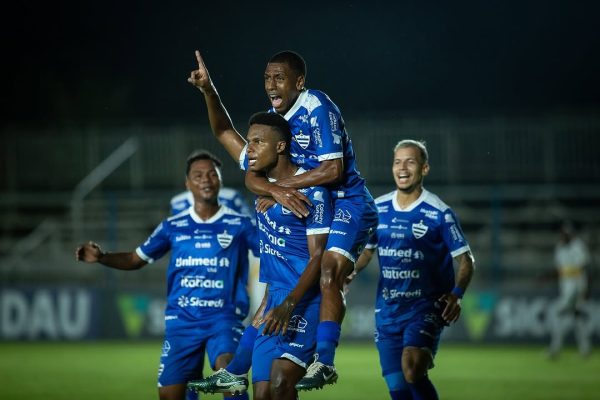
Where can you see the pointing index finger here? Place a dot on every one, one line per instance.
(200, 61)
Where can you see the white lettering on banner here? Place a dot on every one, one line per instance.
(63, 314)
(533, 317)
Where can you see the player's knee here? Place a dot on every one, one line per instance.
(413, 373)
(326, 281)
(280, 386)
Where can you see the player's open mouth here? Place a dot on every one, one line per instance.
(276, 101)
(251, 161)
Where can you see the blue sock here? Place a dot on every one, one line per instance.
(328, 336)
(191, 395)
(397, 386)
(423, 389)
(243, 396)
(242, 359)
(401, 394)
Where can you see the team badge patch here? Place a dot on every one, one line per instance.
(303, 140)
(224, 239)
(419, 230)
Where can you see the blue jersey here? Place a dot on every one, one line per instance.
(228, 197)
(283, 243)
(415, 247)
(207, 259)
(319, 134)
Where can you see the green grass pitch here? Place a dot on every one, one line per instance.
(127, 370)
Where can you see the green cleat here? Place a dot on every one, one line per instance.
(221, 381)
(317, 376)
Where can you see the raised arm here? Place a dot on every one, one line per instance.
(91, 252)
(220, 122)
(363, 260)
(277, 319)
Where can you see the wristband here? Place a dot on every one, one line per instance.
(458, 292)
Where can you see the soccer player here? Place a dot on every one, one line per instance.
(571, 256)
(209, 246)
(418, 293)
(321, 145)
(290, 257)
(234, 200)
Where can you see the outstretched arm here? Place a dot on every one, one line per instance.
(220, 122)
(277, 319)
(360, 264)
(91, 252)
(466, 267)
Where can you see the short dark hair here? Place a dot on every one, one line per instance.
(201, 155)
(275, 121)
(292, 59)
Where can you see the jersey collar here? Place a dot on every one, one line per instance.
(212, 219)
(297, 105)
(413, 205)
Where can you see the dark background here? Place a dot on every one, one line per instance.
(80, 62)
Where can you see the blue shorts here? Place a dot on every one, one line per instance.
(422, 331)
(298, 344)
(182, 355)
(355, 220)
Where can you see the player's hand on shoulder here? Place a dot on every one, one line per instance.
(263, 203)
(88, 252)
(291, 199)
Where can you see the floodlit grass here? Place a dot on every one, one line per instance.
(127, 370)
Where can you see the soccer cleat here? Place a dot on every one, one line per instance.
(317, 376)
(220, 382)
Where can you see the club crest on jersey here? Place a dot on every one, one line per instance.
(224, 239)
(302, 139)
(285, 211)
(419, 230)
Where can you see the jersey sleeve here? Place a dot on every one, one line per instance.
(372, 243)
(156, 246)
(453, 234)
(326, 128)
(243, 160)
(321, 215)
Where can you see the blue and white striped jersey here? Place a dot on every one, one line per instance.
(415, 247)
